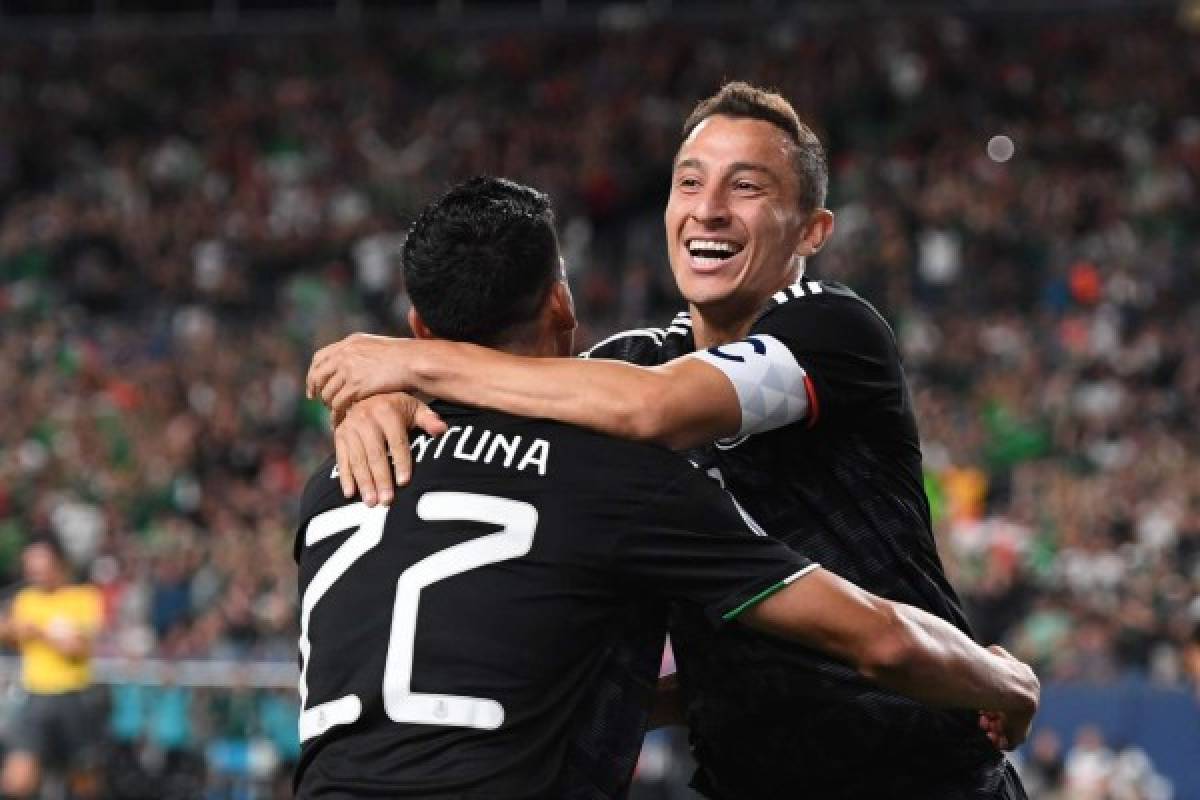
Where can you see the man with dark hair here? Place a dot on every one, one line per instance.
(739, 100)
(53, 623)
(495, 632)
(792, 393)
(519, 268)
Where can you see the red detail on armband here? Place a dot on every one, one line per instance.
(814, 408)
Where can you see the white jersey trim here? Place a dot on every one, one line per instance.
(681, 325)
(800, 573)
(797, 289)
(656, 334)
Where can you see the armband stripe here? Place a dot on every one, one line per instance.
(769, 383)
(814, 407)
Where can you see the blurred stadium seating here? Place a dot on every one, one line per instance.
(193, 201)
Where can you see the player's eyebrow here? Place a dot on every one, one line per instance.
(750, 166)
(690, 163)
(737, 166)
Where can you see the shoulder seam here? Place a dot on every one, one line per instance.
(656, 334)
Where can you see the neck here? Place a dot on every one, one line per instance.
(721, 323)
(541, 345)
(711, 328)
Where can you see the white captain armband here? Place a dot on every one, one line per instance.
(772, 388)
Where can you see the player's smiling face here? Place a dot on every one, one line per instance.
(733, 220)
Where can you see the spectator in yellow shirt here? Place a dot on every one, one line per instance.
(53, 624)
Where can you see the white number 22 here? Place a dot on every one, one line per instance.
(518, 521)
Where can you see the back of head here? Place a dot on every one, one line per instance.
(479, 261)
(740, 100)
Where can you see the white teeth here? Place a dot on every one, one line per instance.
(712, 250)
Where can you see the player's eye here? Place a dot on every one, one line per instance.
(688, 182)
(746, 186)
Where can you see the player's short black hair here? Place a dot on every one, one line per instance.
(479, 260)
(741, 100)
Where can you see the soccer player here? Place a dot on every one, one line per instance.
(496, 631)
(53, 624)
(793, 392)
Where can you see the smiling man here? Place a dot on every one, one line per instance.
(790, 392)
(495, 632)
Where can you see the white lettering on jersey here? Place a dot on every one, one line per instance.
(538, 455)
(445, 437)
(483, 445)
(509, 445)
(460, 452)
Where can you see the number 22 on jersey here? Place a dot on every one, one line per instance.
(517, 521)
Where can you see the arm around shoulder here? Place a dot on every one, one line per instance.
(680, 404)
(902, 648)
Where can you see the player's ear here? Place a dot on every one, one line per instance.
(817, 230)
(419, 328)
(562, 307)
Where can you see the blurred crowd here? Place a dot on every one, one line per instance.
(184, 220)
(1090, 769)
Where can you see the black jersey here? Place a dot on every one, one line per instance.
(842, 485)
(496, 632)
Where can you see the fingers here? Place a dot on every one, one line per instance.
(375, 448)
(992, 724)
(318, 373)
(345, 476)
(395, 434)
(427, 420)
(371, 431)
(343, 398)
(335, 383)
(360, 470)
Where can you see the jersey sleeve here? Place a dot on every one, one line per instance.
(642, 347)
(809, 360)
(692, 543)
(646, 347)
(847, 352)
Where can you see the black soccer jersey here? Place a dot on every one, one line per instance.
(496, 632)
(842, 484)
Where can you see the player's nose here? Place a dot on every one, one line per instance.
(712, 208)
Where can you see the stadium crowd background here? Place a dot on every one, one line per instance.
(185, 219)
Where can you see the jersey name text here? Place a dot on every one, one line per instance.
(483, 445)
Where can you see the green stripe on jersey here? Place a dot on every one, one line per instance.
(758, 598)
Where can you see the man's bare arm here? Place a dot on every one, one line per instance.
(681, 404)
(903, 649)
